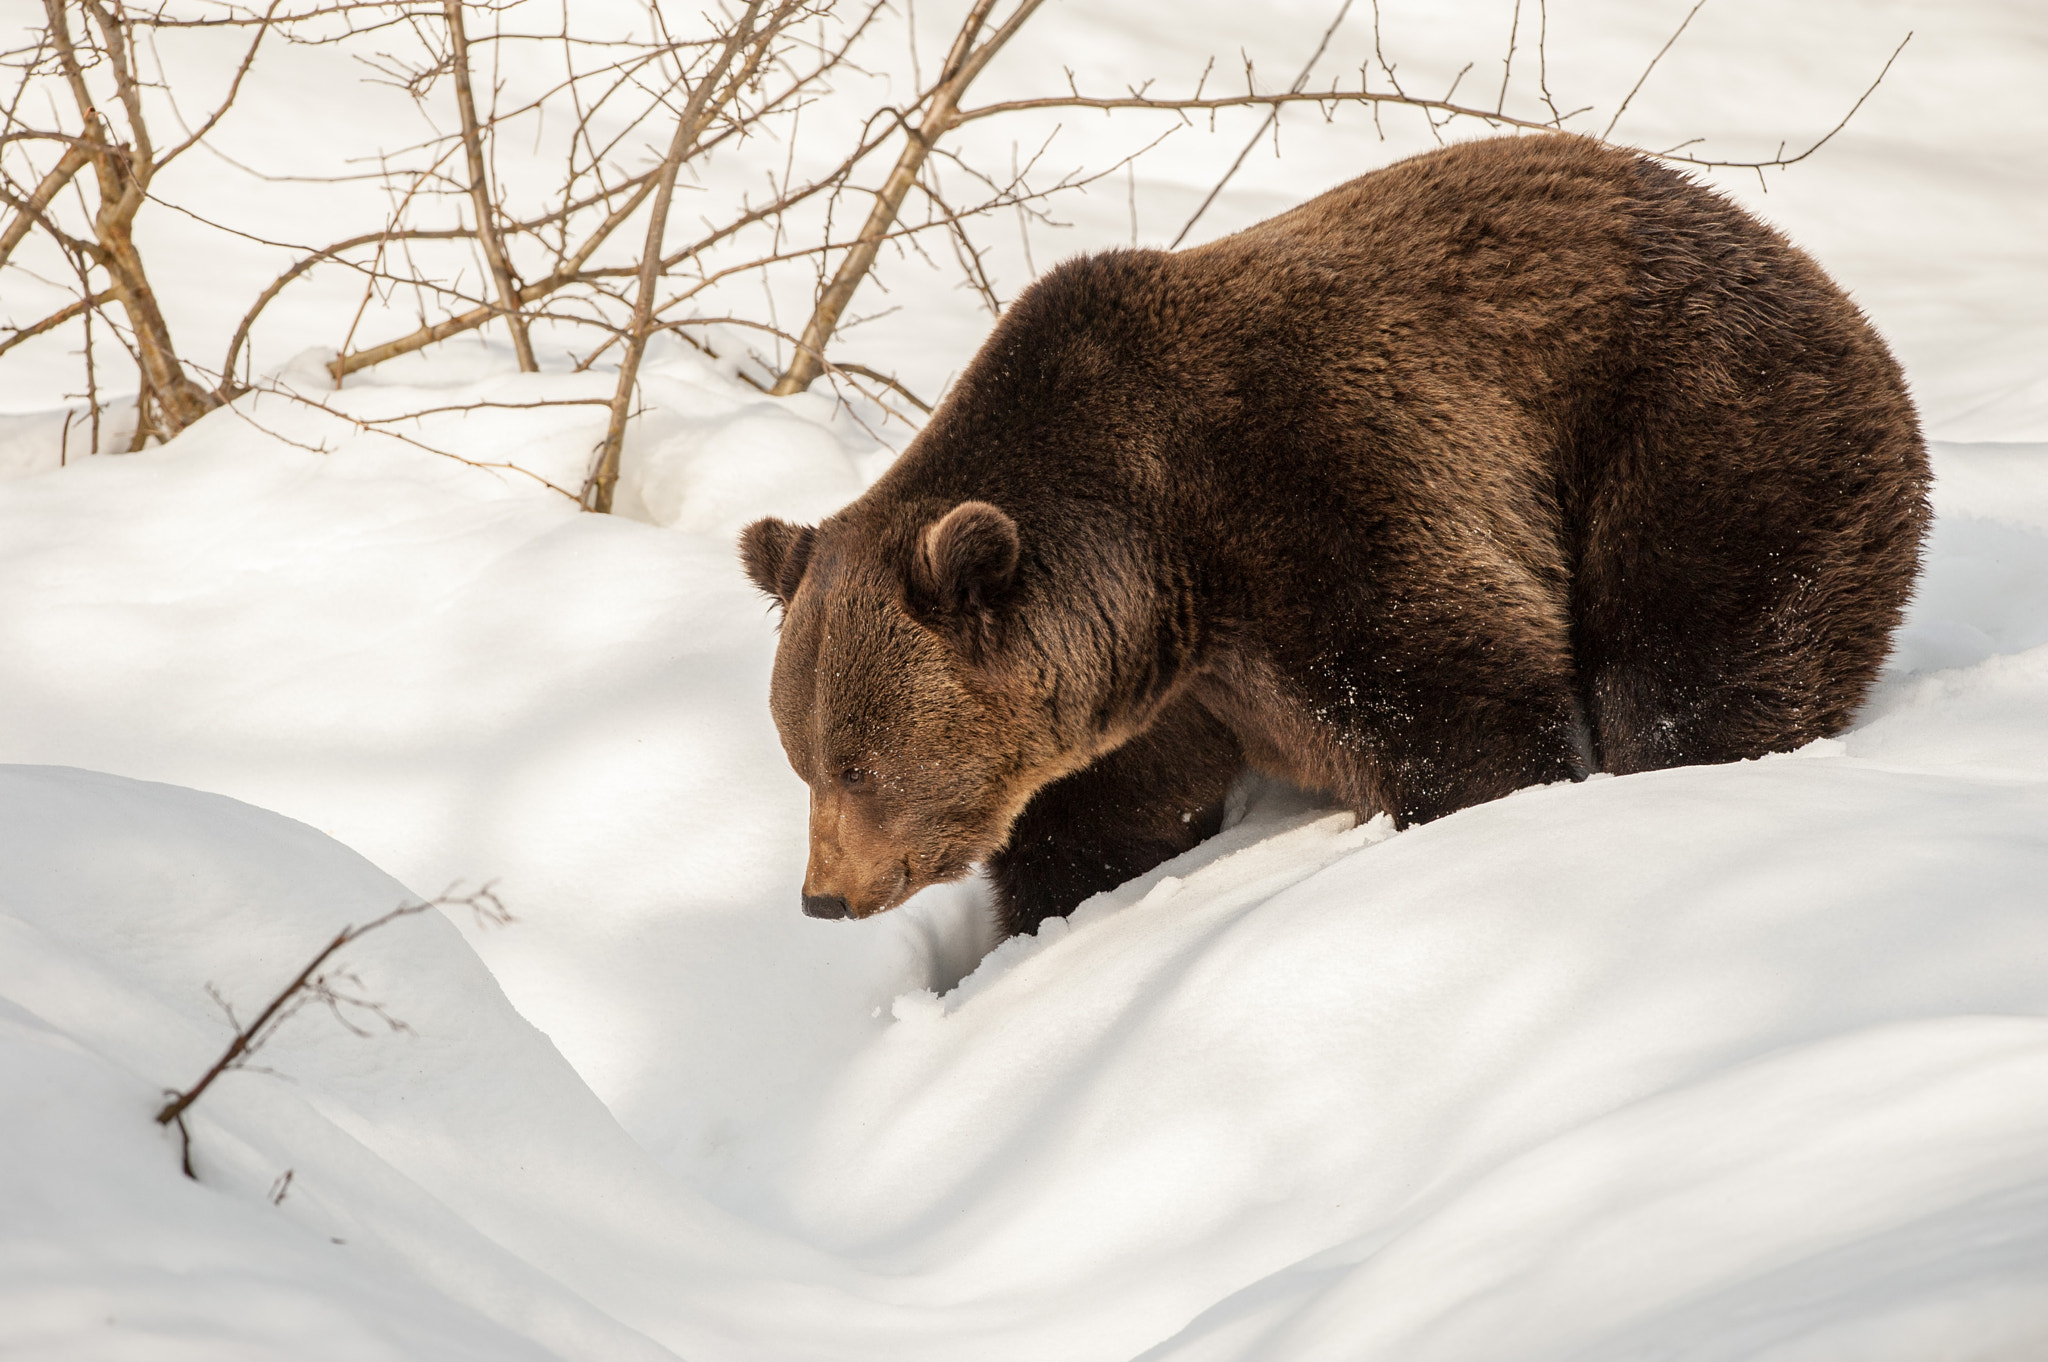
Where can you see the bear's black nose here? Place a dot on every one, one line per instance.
(824, 905)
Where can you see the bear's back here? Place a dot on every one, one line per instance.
(1650, 425)
(1549, 393)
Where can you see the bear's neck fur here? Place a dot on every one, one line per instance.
(1073, 392)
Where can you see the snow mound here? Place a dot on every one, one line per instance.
(423, 1166)
(1751, 1057)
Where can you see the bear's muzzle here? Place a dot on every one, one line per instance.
(825, 905)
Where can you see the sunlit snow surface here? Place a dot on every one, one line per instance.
(1748, 1062)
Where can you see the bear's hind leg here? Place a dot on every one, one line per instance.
(1146, 802)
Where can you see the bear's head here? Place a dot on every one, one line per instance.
(898, 698)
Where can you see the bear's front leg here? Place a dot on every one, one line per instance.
(1149, 800)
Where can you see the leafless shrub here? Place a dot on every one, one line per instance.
(94, 52)
(577, 235)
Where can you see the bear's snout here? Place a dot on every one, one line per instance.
(824, 905)
(852, 894)
(856, 868)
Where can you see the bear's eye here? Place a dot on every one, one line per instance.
(854, 775)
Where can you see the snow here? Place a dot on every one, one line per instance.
(1736, 1062)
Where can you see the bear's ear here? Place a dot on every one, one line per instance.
(961, 572)
(775, 553)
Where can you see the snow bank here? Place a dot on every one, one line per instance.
(1747, 1058)
(455, 671)
(122, 903)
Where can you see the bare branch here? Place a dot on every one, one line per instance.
(1272, 113)
(482, 202)
(1183, 106)
(310, 985)
(1609, 129)
(721, 84)
(169, 400)
(74, 159)
(942, 114)
(227, 102)
(54, 320)
(888, 382)
(380, 427)
(298, 268)
(1543, 60)
(1507, 66)
(1781, 159)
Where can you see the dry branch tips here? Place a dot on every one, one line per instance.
(941, 115)
(316, 983)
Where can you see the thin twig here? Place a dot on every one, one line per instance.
(54, 320)
(720, 84)
(377, 427)
(1609, 129)
(1781, 159)
(310, 985)
(969, 56)
(1186, 106)
(1272, 114)
(482, 202)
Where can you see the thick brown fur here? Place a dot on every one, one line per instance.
(1518, 460)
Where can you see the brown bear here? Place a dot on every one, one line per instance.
(1519, 460)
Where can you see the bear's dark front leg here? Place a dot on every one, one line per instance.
(1151, 799)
